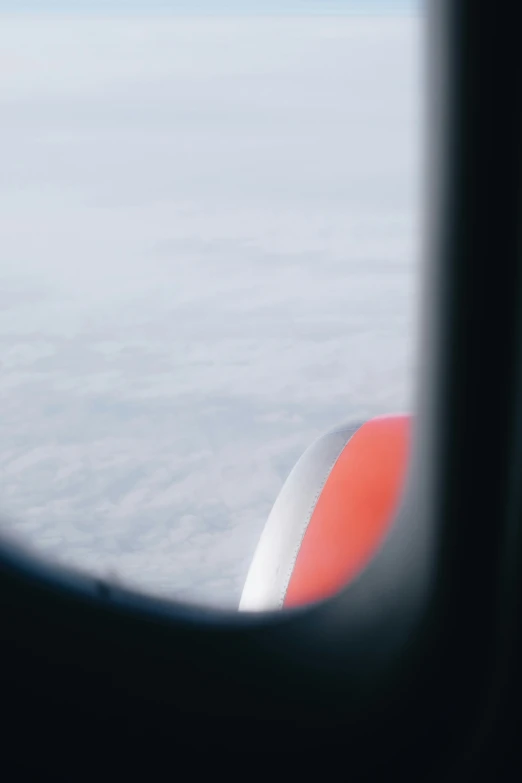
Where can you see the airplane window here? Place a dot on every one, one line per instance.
(209, 259)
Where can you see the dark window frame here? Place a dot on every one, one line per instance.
(402, 682)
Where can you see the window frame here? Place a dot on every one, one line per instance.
(345, 674)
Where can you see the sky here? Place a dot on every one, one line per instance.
(214, 7)
(209, 257)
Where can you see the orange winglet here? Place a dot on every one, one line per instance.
(354, 510)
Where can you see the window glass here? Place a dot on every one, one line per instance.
(208, 239)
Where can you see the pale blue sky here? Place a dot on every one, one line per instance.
(214, 7)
